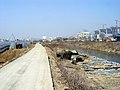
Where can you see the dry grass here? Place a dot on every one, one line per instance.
(58, 80)
(10, 55)
(75, 77)
(57, 46)
(73, 74)
(110, 47)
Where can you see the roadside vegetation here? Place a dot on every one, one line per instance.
(10, 55)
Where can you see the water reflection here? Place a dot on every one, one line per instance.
(104, 55)
(99, 54)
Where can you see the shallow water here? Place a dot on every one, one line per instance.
(104, 55)
(99, 54)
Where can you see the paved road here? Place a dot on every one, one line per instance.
(29, 72)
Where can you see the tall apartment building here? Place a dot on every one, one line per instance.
(109, 31)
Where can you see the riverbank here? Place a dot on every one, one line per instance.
(66, 76)
(98, 74)
(109, 47)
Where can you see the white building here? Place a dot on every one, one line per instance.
(83, 36)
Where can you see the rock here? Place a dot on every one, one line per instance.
(74, 62)
(79, 59)
(86, 61)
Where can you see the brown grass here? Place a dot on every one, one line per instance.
(73, 74)
(110, 47)
(58, 80)
(75, 77)
(10, 55)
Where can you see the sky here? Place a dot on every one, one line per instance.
(37, 18)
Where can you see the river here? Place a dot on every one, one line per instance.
(99, 54)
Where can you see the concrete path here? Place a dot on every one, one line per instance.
(29, 72)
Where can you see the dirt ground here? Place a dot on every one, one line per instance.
(108, 83)
(58, 80)
(73, 77)
(67, 76)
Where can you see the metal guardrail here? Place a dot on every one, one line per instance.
(2, 49)
(4, 46)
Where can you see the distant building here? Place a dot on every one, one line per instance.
(115, 30)
(108, 32)
(44, 38)
(51, 39)
(103, 31)
(83, 36)
(97, 32)
(111, 30)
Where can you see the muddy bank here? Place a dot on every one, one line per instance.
(109, 47)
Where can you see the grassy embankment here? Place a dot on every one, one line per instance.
(109, 47)
(10, 55)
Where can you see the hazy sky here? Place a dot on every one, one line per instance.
(36, 18)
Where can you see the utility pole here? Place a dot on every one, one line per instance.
(103, 25)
